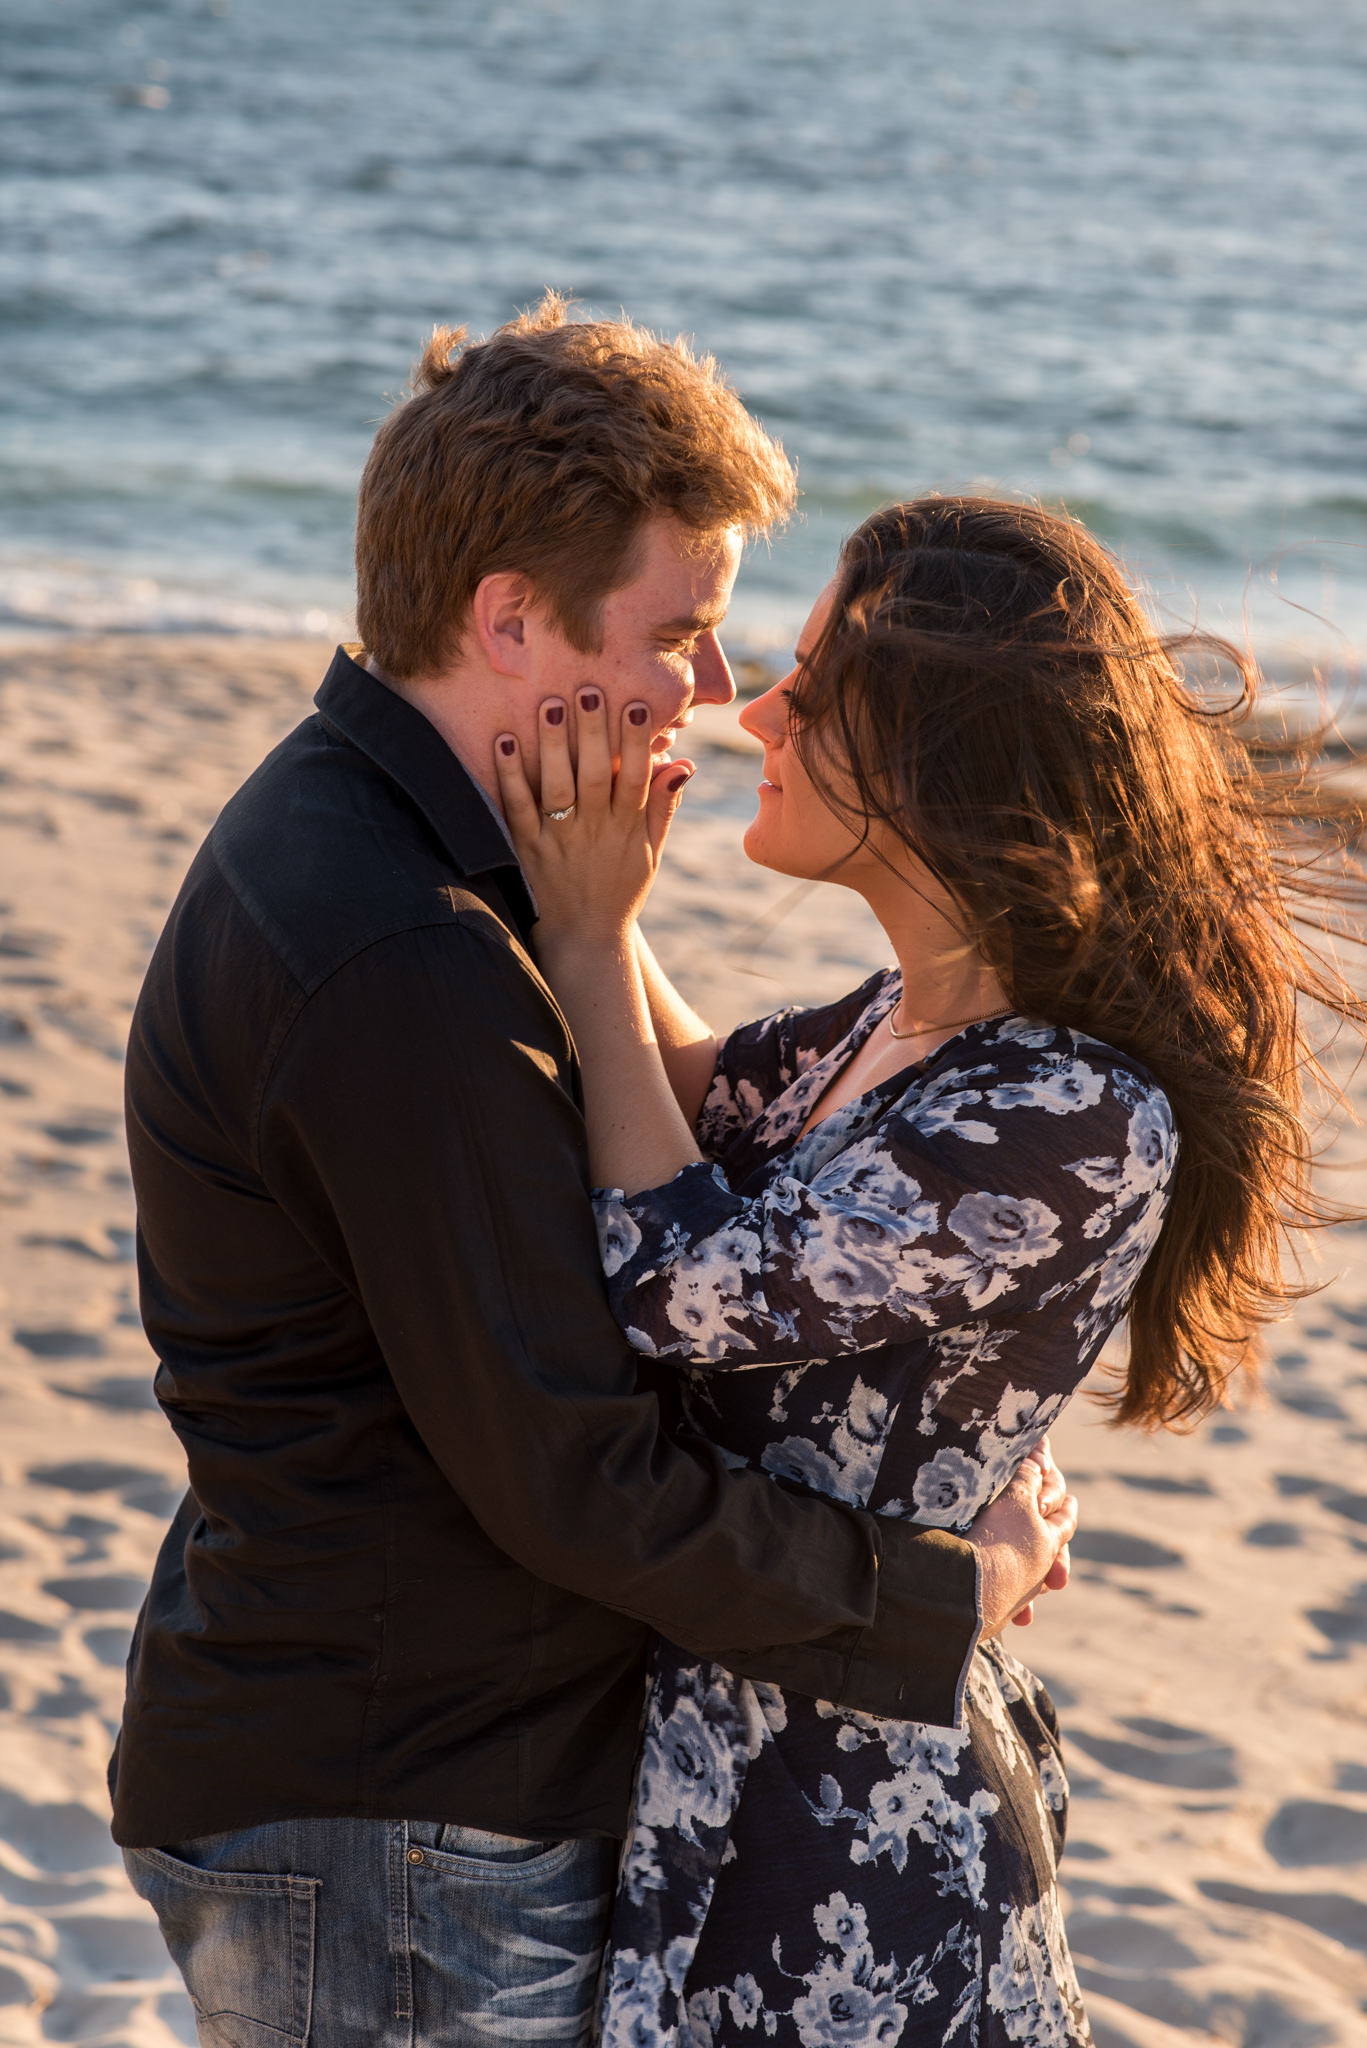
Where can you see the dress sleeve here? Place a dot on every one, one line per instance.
(758, 1061)
(995, 1185)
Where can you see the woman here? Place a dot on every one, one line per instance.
(884, 1240)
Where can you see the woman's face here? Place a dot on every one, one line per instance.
(795, 831)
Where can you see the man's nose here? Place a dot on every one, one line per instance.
(713, 682)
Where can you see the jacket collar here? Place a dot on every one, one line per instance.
(408, 748)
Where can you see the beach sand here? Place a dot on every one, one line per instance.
(1209, 1659)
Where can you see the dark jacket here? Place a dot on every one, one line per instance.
(433, 1518)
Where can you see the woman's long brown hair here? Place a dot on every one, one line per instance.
(1130, 858)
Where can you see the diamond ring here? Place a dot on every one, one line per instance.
(559, 817)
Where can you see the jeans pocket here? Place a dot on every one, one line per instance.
(243, 1942)
(475, 1852)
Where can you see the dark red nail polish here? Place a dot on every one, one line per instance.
(507, 747)
(555, 714)
(679, 780)
(589, 700)
(638, 714)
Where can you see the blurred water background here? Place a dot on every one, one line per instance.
(1114, 256)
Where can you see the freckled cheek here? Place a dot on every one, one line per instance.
(663, 688)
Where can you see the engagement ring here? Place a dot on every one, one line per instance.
(559, 817)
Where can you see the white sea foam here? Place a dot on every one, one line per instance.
(74, 598)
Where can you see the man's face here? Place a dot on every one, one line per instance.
(659, 634)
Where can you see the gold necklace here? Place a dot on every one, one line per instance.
(950, 1024)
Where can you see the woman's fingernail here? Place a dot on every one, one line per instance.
(555, 714)
(638, 714)
(589, 700)
(508, 747)
(679, 780)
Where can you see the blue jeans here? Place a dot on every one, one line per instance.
(382, 1934)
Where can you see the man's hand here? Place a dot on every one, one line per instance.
(1022, 1542)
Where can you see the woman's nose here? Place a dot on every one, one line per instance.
(766, 717)
(713, 682)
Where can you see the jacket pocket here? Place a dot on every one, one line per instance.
(243, 1942)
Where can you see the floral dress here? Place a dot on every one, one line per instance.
(892, 1309)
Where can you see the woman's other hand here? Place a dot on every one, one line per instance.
(591, 846)
(1022, 1542)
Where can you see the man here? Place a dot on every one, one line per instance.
(384, 1695)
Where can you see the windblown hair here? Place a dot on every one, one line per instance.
(1126, 853)
(542, 450)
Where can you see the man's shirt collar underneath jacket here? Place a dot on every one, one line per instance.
(408, 748)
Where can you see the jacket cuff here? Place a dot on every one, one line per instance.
(911, 1663)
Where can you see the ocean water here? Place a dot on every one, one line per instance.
(1113, 256)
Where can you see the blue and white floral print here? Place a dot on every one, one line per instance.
(912, 1290)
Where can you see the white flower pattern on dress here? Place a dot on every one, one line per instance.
(912, 1291)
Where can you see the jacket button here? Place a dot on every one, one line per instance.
(415, 1856)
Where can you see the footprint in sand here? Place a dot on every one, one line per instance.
(1119, 1547)
(1350, 1777)
(1352, 1506)
(1145, 1482)
(1275, 1535)
(109, 1646)
(112, 1246)
(89, 1531)
(118, 1951)
(56, 1838)
(137, 1487)
(76, 1132)
(14, 1989)
(47, 1166)
(1306, 1832)
(66, 1704)
(25, 943)
(1185, 1758)
(1344, 1624)
(60, 1343)
(1295, 1485)
(1135, 1963)
(1312, 1402)
(1121, 1894)
(99, 1592)
(1128, 1944)
(19, 1628)
(125, 1395)
(1329, 1913)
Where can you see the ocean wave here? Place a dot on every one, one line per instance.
(79, 599)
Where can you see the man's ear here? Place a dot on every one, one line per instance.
(501, 617)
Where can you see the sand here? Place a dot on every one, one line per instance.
(1209, 1658)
